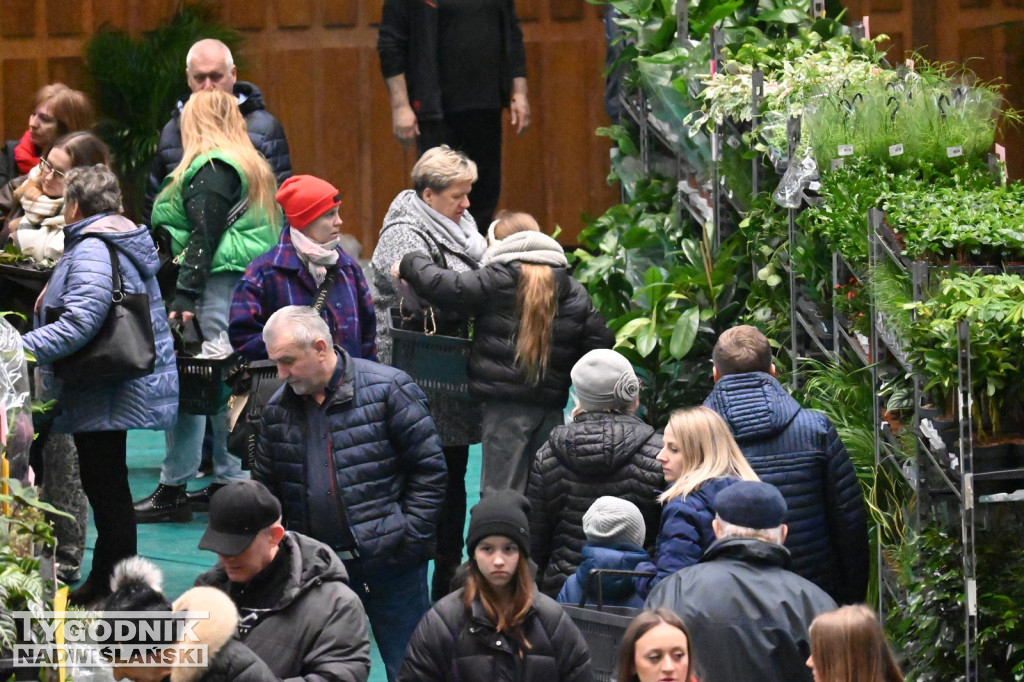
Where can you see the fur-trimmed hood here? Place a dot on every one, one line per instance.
(214, 631)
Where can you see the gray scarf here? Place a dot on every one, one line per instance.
(526, 247)
(463, 234)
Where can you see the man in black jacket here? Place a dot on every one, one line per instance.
(799, 452)
(349, 448)
(209, 65)
(747, 614)
(296, 610)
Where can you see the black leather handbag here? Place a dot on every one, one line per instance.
(123, 348)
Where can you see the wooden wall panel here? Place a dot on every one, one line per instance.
(339, 13)
(20, 82)
(294, 13)
(17, 18)
(65, 18)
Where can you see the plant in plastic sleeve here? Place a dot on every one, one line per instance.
(15, 402)
(790, 191)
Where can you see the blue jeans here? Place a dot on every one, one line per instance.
(185, 440)
(395, 599)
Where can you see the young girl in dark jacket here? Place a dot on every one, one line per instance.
(700, 458)
(533, 321)
(497, 628)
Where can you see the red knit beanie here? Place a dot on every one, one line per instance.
(305, 198)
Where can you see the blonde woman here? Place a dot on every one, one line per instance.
(848, 645)
(219, 212)
(699, 459)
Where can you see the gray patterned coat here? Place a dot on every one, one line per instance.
(458, 422)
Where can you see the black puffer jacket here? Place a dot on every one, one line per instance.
(388, 464)
(489, 294)
(450, 644)
(748, 616)
(313, 626)
(264, 130)
(600, 453)
(799, 452)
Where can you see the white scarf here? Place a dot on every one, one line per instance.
(314, 255)
(526, 247)
(463, 233)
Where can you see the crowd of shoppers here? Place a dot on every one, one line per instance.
(359, 476)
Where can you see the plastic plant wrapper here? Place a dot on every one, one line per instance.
(15, 401)
(790, 192)
(666, 79)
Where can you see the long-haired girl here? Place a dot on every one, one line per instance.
(498, 626)
(533, 321)
(218, 210)
(848, 645)
(699, 459)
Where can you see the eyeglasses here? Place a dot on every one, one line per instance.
(47, 168)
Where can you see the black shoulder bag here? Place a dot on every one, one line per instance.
(253, 385)
(123, 348)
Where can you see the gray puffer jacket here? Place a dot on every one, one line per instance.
(81, 286)
(314, 627)
(404, 231)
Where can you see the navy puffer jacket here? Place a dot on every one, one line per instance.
(388, 463)
(81, 287)
(490, 295)
(616, 590)
(599, 453)
(799, 452)
(265, 132)
(685, 532)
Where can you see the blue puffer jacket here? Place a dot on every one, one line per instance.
(685, 532)
(81, 283)
(616, 590)
(799, 452)
(388, 464)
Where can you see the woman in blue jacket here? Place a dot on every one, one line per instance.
(700, 458)
(99, 414)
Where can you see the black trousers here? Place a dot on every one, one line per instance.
(451, 523)
(478, 135)
(102, 458)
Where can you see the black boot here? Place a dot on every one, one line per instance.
(168, 503)
(91, 593)
(200, 499)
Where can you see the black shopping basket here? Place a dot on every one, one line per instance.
(603, 626)
(201, 381)
(437, 363)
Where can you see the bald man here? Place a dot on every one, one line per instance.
(209, 65)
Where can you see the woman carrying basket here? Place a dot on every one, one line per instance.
(218, 209)
(99, 413)
(432, 218)
(533, 321)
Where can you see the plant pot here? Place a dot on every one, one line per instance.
(929, 412)
(949, 432)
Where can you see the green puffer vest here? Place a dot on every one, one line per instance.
(250, 236)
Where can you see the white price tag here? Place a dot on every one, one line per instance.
(953, 152)
(896, 149)
(845, 150)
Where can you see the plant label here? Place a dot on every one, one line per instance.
(910, 64)
(867, 27)
(845, 150)
(896, 149)
(733, 141)
(838, 163)
(953, 152)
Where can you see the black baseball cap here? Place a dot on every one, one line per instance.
(238, 512)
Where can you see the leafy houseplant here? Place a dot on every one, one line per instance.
(136, 84)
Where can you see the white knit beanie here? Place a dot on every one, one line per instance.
(612, 520)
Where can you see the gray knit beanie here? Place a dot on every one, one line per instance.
(604, 380)
(612, 520)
